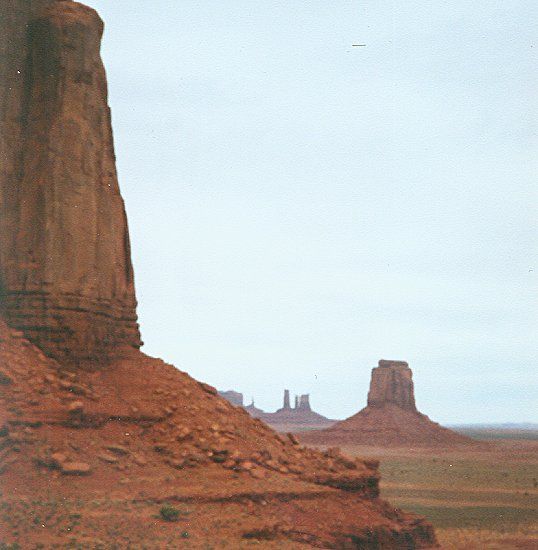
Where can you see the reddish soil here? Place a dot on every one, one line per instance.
(90, 457)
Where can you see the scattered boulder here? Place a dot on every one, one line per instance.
(107, 457)
(58, 459)
(207, 388)
(75, 468)
(118, 449)
(292, 438)
(139, 459)
(75, 407)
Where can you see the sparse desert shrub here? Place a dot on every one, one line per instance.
(265, 533)
(169, 513)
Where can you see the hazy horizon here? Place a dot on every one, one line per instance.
(300, 208)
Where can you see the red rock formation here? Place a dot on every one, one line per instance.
(390, 418)
(286, 405)
(65, 268)
(71, 440)
(392, 382)
(287, 419)
(74, 437)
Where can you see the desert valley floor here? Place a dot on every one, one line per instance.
(475, 498)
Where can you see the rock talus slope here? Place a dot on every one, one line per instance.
(390, 418)
(95, 436)
(95, 454)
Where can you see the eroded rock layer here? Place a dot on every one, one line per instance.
(66, 278)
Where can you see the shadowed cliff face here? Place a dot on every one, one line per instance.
(392, 383)
(66, 278)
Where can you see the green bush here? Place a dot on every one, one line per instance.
(169, 513)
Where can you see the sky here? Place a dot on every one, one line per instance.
(300, 208)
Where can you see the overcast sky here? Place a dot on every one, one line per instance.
(300, 208)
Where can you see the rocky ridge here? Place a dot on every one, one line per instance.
(111, 445)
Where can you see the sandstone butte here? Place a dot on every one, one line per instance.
(301, 414)
(391, 418)
(287, 418)
(95, 436)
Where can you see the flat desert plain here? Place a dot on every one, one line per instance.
(483, 499)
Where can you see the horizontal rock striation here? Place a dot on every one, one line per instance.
(66, 278)
(72, 328)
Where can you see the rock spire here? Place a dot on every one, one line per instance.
(286, 404)
(303, 403)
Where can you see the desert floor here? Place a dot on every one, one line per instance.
(476, 499)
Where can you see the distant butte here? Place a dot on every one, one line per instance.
(287, 418)
(390, 418)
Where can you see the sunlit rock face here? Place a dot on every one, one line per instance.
(66, 278)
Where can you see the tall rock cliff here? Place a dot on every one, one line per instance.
(66, 278)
